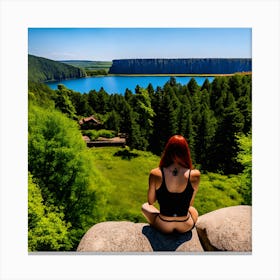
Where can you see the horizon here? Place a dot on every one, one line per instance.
(87, 60)
(108, 44)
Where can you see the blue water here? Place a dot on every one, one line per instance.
(118, 84)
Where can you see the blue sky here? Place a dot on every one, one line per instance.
(117, 43)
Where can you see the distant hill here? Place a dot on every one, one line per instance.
(42, 70)
(92, 68)
(89, 64)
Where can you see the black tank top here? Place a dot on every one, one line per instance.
(174, 204)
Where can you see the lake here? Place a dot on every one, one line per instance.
(118, 84)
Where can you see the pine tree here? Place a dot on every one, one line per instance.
(144, 117)
(225, 148)
(193, 86)
(205, 132)
(206, 86)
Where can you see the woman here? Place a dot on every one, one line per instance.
(174, 185)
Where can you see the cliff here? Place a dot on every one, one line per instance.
(181, 66)
(226, 229)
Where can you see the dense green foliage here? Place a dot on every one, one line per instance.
(63, 172)
(47, 229)
(245, 158)
(95, 134)
(211, 117)
(72, 187)
(41, 70)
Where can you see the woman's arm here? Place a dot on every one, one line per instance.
(154, 182)
(195, 179)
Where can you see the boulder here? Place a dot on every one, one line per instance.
(226, 229)
(136, 237)
(180, 242)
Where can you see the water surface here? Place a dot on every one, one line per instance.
(118, 84)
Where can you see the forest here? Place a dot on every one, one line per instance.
(71, 187)
(42, 69)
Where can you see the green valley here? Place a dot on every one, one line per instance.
(72, 187)
(127, 184)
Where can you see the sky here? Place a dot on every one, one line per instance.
(106, 44)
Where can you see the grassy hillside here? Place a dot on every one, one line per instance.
(89, 65)
(41, 70)
(127, 182)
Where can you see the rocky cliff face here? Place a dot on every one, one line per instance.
(181, 66)
(226, 229)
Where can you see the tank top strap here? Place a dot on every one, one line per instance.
(162, 172)
(189, 179)
(163, 184)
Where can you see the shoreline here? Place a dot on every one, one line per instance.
(153, 75)
(173, 75)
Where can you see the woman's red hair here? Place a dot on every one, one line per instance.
(176, 151)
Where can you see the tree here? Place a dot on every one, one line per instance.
(58, 161)
(150, 89)
(235, 86)
(205, 132)
(166, 123)
(172, 81)
(185, 124)
(113, 121)
(193, 87)
(47, 229)
(98, 101)
(144, 117)
(245, 158)
(63, 102)
(206, 86)
(83, 108)
(225, 148)
(218, 95)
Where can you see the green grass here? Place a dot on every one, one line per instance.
(217, 191)
(127, 183)
(89, 65)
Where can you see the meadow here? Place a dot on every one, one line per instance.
(125, 184)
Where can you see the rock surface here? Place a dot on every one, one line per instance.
(136, 237)
(226, 229)
(115, 237)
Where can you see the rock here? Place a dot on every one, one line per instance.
(136, 237)
(115, 237)
(180, 242)
(226, 229)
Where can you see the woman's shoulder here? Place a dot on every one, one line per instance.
(195, 178)
(195, 173)
(156, 172)
(155, 178)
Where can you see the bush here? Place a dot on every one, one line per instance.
(47, 230)
(125, 154)
(95, 134)
(60, 164)
(217, 191)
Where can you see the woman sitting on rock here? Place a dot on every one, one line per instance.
(174, 185)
